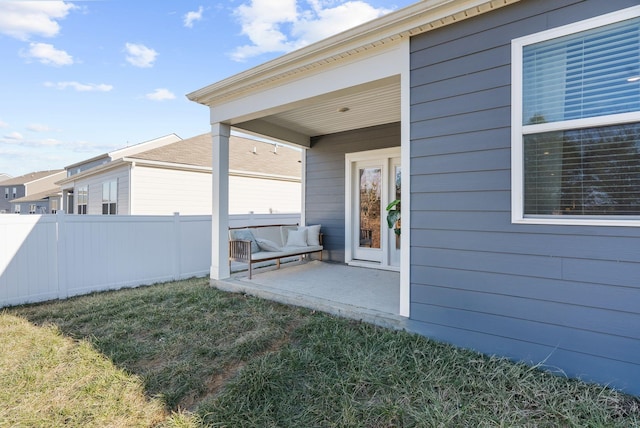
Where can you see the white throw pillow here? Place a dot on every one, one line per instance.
(313, 234)
(266, 245)
(297, 238)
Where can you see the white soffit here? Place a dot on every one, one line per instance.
(366, 108)
(376, 103)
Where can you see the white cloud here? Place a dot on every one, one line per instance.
(191, 17)
(325, 22)
(13, 136)
(80, 87)
(18, 140)
(47, 54)
(140, 55)
(48, 142)
(38, 127)
(23, 19)
(291, 24)
(160, 94)
(3, 124)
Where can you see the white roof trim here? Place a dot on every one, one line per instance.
(418, 18)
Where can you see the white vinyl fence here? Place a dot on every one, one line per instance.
(44, 257)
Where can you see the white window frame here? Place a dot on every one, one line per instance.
(111, 184)
(518, 130)
(82, 199)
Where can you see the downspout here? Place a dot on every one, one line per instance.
(131, 210)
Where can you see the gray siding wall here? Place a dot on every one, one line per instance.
(568, 297)
(324, 190)
(5, 204)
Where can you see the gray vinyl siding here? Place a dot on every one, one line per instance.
(564, 296)
(5, 203)
(325, 180)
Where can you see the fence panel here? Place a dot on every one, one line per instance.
(44, 257)
(28, 259)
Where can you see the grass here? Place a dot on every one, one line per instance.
(184, 354)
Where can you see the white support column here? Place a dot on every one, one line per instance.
(405, 161)
(220, 133)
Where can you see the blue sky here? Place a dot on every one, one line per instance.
(80, 78)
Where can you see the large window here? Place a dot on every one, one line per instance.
(110, 197)
(83, 196)
(576, 123)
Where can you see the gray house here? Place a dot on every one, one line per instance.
(27, 185)
(511, 131)
(45, 202)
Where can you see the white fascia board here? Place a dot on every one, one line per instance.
(144, 146)
(418, 18)
(92, 171)
(45, 177)
(167, 165)
(305, 90)
(274, 177)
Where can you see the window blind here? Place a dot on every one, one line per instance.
(592, 73)
(583, 172)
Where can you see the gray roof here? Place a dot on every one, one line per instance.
(54, 192)
(28, 178)
(245, 155)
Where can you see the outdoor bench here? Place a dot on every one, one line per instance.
(273, 242)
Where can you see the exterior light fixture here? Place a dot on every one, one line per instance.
(343, 109)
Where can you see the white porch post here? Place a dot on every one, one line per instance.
(220, 133)
(405, 161)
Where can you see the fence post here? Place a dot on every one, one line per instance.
(177, 253)
(61, 255)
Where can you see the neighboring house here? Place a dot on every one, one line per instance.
(47, 202)
(26, 185)
(176, 177)
(4, 176)
(516, 128)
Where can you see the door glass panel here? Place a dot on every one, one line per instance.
(370, 187)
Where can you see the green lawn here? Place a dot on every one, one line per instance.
(184, 354)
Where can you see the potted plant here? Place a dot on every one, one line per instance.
(393, 219)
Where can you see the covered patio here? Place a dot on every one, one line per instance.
(369, 295)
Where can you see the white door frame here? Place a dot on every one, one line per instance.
(350, 159)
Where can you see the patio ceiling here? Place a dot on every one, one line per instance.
(375, 103)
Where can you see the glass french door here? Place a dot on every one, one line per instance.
(375, 182)
(368, 211)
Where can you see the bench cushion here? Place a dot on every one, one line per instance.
(286, 251)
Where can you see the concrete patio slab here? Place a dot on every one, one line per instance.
(369, 295)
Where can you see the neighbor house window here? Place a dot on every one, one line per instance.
(54, 206)
(14, 193)
(6, 193)
(83, 196)
(109, 197)
(16, 208)
(576, 122)
(32, 209)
